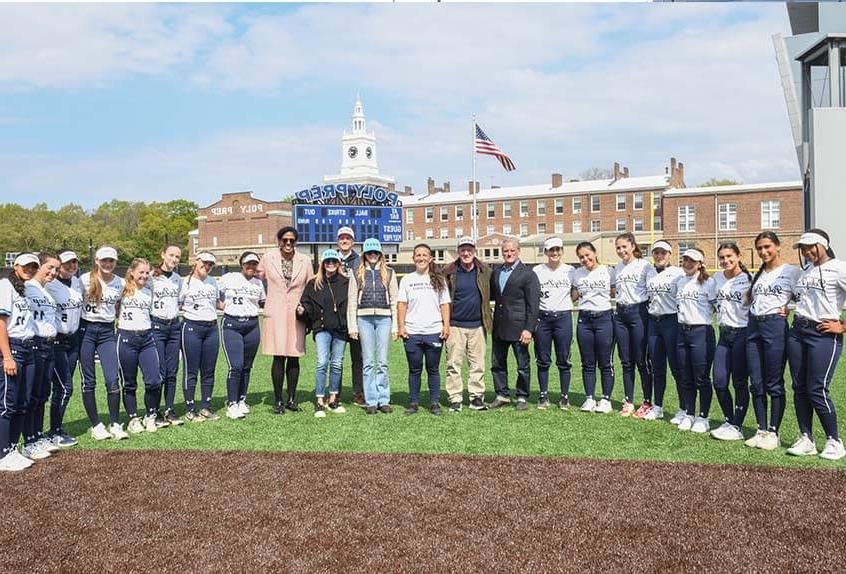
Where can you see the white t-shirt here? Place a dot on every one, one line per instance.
(555, 286)
(661, 289)
(43, 309)
(732, 309)
(594, 288)
(199, 299)
(20, 324)
(630, 281)
(774, 289)
(423, 316)
(135, 310)
(166, 296)
(240, 296)
(816, 301)
(68, 300)
(104, 311)
(695, 300)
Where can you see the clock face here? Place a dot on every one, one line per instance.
(352, 152)
(368, 152)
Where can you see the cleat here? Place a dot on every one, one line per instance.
(769, 442)
(603, 406)
(337, 408)
(701, 425)
(655, 414)
(435, 408)
(627, 409)
(47, 444)
(411, 409)
(63, 440)
(35, 452)
(499, 401)
(642, 410)
(755, 440)
(172, 419)
(371, 410)
(686, 423)
(564, 404)
(11, 463)
(455, 408)
(99, 432)
(117, 431)
(803, 446)
(150, 423)
(589, 405)
(234, 412)
(678, 417)
(477, 404)
(245, 408)
(319, 411)
(833, 450)
(135, 425)
(522, 404)
(385, 409)
(209, 415)
(192, 417)
(543, 402)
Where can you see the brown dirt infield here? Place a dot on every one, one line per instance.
(294, 512)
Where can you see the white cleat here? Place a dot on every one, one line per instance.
(150, 423)
(756, 440)
(234, 412)
(833, 450)
(701, 425)
(678, 417)
(603, 406)
(21, 458)
(654, 414)
(34, 451)
(803, 446)
(117, 431)
(589, 405)
(717, 433)
(686, 423)
(99, 432)
(245, 408)
(135, 426)
(769, 442)
(46, 444)
(11, 463)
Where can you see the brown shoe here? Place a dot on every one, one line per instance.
(386, 409)
(358, 400)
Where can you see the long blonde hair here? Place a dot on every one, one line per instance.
(131, 286)
(95, 289)
(384, 271)
(320, 276)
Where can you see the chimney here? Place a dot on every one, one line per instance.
(392, 186)
(557, 180)
(430, 186)
(616, 170)
(407, 190)
(472, 188)
(625, 172)
(446, 187)
(680, 177)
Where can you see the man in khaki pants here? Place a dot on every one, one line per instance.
(470, 321)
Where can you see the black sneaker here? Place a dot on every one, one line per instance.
(543, 402)
(411, 409)
(386, 409)
(370, 410)
(435, 408)
(522, 405)
(171, 418)
(455, 407)
(499, 401)
(564, 404)
(279, 408)
(293, 407)
(477, 404)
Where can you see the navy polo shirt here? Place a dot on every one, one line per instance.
(467, 303)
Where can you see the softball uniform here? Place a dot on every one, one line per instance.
(43, 308)
(200, 338)
(595, 331)
(696, 342)
(167, 333)
(20, 328)
(242, 298)
(662, 335)
(67, 293)
(555, 326)
(136, 347)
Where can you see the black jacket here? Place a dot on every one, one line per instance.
(516, 308)
(326, 309)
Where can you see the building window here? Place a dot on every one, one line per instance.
(728, 216)
(577, 227)
(621, 202)
(621, 224)
(541, 207)
(409, 216)
(524, 230)
(595, 225)
(506, 209)
(459, 213)
(577, 205)
(637, 224)
(656, 201)
(260, 239)
(684, 246)
(657, 224)
(771, 214)
(409, 235)
(559, 228)
(506, 229)
(214, 241)
(637, 201)
(491, 211)
(524, 209)
(459, 232)
(444, 233)
(559, 207)
(490, 230)
(430, 214)
(594, 203)
(430, 234)
(687, 218)
(439, 255)
(445, 214)
(541, 228)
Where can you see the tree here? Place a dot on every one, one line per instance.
(596, 173)
(716, 182)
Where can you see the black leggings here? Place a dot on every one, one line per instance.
(285, 368)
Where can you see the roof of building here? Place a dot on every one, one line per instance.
(732, 189)
(644, 183)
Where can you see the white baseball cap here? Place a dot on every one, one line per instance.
(346, 231)
(249, 258)
(466, 240)
(66, 256)
(810, 238)
(206, 257)
(661, 244)
(553, 242)
(26, 259)
(694, 255)
(106, 253)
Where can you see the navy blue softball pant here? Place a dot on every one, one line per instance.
(630, 327)
(200, 345)
(99, 338)
(39, 392)
(730, 365)
(168, 338)
(65, 358)
(813, 359)
(138, 349)
(554, 327)
(661, 347)
(241, 337)
(13, 394)
(595, 335)
(766, 357)
(695, 347)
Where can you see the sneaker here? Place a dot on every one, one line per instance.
(755, 440)
(435, 408)
(686, 423)
(34, 451)
(385, 409)
(63, 440)
(234, 412)
(319, 411)
(11, 463)
(642, 410)
(411, 409)
(589, 405)
(543, 402)
(161, 422)
(833, 450)
(26, 462)
(279, 408)
(655, 413)
(803, 446)
(678, 417)
(717, 433)
(499, 401)
(245, 408)
(292, 406)
(358, 400)
(46, 444)
(150, 423)
(769, 442)
(701, 425)
(135, 425)
(172, 419)
(370, 410)
(337, 408)
(192, 417)
(603, 406)
(209, 414)
(732, 433)
(522, 404)
(117, 431)
(99, 432)
(564, 404)
(627, 409)
(455, 407)
(477, 404)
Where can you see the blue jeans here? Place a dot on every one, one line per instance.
(330, 356)
(418, 348)
(554, 327)
(374, 332)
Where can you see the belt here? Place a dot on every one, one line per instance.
(664, 316)
(44, 340)
(804, 321)
(142, 333)
(762, 318)
(686, 327)
(554, 314)
(729, 329)
(594, 314)
(626, 306)
(26, 343)
(206, 323)
(164, 321)
(239, 319)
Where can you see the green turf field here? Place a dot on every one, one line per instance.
(504, 432)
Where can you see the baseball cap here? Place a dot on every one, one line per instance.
(206, 257)
(372, 245)
(249, 258)
(330, 254)
(811, 238)
(26, 259)
(66, 256)
(661, 244)
(466, 240)
(553, 242)
(346, 231)
(106, 253)
(694, 255)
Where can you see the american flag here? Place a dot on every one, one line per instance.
(484, 145)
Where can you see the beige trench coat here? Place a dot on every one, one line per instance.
(283, 334)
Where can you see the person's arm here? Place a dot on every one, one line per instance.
(445, 314)
(532, 293)
(352, 307)
(393, 289)
(402, 309)
(10, 366)
(574, 294)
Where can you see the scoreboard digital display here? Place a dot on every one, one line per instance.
(320, 223)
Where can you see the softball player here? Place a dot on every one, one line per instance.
(733, 284)
(102, 290)
(200, 337)
(165, 285)
(242, 295)
(43, 307)
(766, 338)
(66, 291)
(595, 331)
(695, 296)
(663, 329)
(816, 342)
(137, 347)
(17, 331)
(631, 319)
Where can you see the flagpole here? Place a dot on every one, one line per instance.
(473, 183)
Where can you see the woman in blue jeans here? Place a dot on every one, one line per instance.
(423, 317)
(372, 319)
(323, 308)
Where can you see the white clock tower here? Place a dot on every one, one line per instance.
(358, 154)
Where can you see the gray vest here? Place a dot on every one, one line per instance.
(373, 295)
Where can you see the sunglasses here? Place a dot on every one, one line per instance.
(287, 240)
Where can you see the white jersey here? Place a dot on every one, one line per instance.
(732, 308)
(15, 307)
(822, 299)
(695, 300)
(68, 300)
(241, 296)
(165, 291)
(104, 311)
(423, 316)
(555, 286)
(661, 289)
(630, 281)
(43, 308)
(774, 289)
(135, 310)
(199, 299)
(594, 288)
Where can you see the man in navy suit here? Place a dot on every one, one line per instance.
(516, 292)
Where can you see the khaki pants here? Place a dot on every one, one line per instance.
(472, 344)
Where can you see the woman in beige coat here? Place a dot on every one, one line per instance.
(286, 273)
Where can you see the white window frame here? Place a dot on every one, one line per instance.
(524, 208)
(767, 220)
(430, 233)
(506, 229)
(687, 218)
(409, 215)
(577, 205)
(621, 198)
(444, 232)
(577, 226)
(540, 206)
(727, 214)
(459, 232)
(637, 201)
(506, 209)
(490, 230)
(657, 223)
(597, 227)
(541, 228)
(637, 224)
(621, 224)
(409, 235)
(459, 213)
(559, 227)
(430, 214)
(559, 206)
(524, 230)
(444, 213)
(491, 210)
(598, 200)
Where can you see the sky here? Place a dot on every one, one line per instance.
(155, 101)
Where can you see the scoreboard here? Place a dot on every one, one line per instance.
(320, 223)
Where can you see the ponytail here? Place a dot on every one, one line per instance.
(629, 236)
(131, 286)
(703, 273)
(95, 289)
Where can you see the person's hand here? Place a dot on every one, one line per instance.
(300, 310)
(832, 326)
(394, 335)
(354, 335)
(783, 311)
(402, 333)
(525, 337)
(445, 333)
(10, 366)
